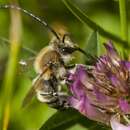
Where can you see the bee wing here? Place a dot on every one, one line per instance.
(29, 96)
(5, 41)
(25, 65)
(35, 85)
(49, 58)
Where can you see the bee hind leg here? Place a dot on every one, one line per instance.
(61, 102)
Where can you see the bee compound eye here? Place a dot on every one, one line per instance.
(64, 49)
(67, 50)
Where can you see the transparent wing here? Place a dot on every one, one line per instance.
(25, 64)
(5, 41)
(26, 67)
(35, 85)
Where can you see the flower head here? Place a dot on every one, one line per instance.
(102, 92)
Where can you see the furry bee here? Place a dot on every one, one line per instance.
(51, 67)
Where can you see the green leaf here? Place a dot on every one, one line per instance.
(91, 125)
(100, 127)
(62, 120)
(92, 44)
(92, 48)
(80, 15)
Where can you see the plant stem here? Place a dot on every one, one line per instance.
(15, 30)
(123, 19)
(124, 25)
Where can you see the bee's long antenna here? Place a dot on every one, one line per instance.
(82, 51)
(31, 15)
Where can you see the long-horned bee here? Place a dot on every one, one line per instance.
(51, 65)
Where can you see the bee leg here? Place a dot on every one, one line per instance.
(54, 83)
(69, 66)
(63, 102)
(60, 102)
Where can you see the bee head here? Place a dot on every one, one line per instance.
(66, 46)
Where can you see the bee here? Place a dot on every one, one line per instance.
(51, 66)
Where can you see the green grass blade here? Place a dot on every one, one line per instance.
(11, 68)
(80, 15)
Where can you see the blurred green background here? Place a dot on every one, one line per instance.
(35, 37)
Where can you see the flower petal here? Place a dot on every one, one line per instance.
(83, 106)
(76, 89)
(125, 107)
(118, 126)
(112, 53)
(110, 48)
(125, 64)
(103, 90)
